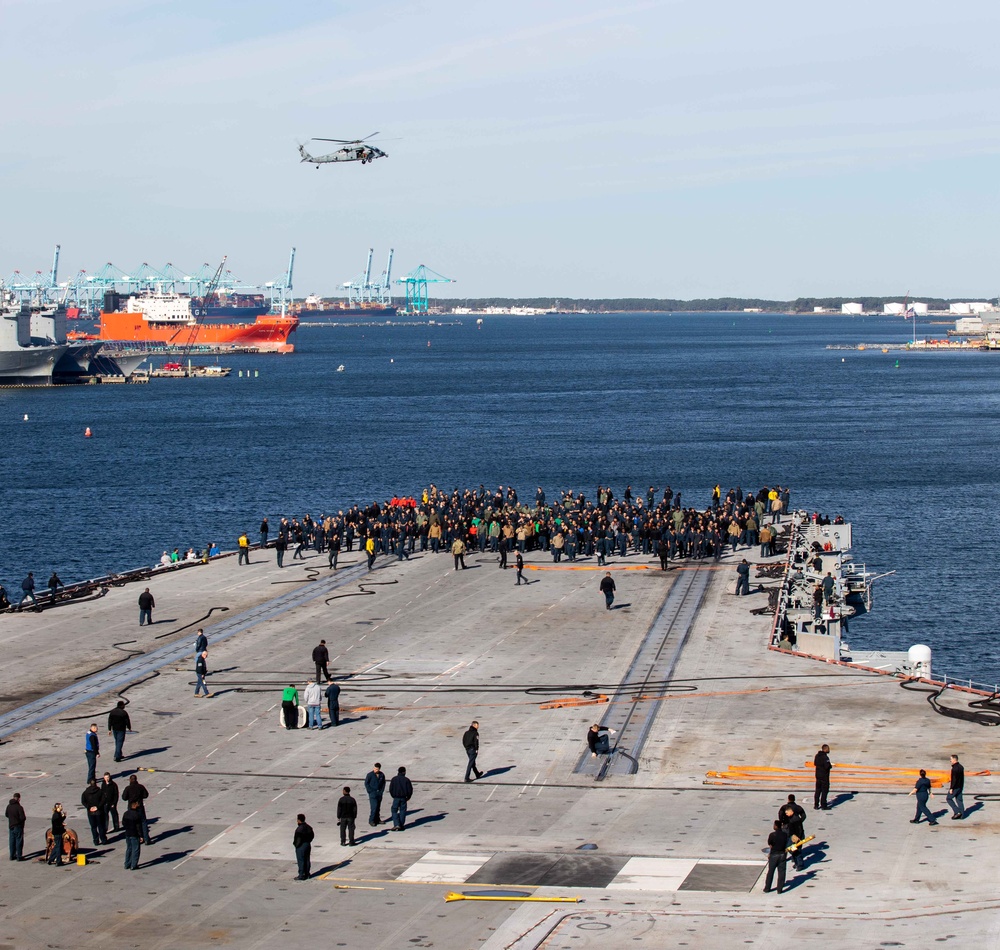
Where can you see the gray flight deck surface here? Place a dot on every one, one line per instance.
(421, 650)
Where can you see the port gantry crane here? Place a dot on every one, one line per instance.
(213, 285)
(280, 290)
(362, 292)
(417, 296)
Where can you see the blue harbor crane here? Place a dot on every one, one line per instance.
(382, 289)
(416, 287)
(280, 290)
(359, 289)
(363, 292)
(54, 279)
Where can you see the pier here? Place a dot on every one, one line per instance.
(660, 840)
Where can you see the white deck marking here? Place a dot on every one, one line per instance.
(442, 867)
(653, 874)
(529, 784)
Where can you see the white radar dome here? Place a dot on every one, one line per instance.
(918, 657)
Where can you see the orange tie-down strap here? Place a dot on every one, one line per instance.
(598, 700)
(943, 773)
(855, 775)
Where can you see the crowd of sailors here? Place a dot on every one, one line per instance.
(650, 523)
(571, 526)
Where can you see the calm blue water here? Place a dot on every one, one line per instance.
(908, 453)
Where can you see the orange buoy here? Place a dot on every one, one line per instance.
(87, 434)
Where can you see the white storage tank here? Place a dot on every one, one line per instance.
(852, 308)
(920, 309)
(896, 309)
(918, 658)
(961, 308)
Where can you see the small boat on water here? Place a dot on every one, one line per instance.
(174, 370)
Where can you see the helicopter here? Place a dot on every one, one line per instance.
(354, 150)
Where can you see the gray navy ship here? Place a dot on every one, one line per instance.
(35, 349)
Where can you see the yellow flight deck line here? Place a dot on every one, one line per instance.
(452, 896)
(603, 699)
(624, 567)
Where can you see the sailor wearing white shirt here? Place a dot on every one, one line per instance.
(313, 695)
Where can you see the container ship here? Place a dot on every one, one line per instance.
(168, 319)
(233, 306)
(315, 308)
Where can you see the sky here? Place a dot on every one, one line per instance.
(569, 148)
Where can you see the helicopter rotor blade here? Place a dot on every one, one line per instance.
(339, 141)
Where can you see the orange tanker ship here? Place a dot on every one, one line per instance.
(166, 318)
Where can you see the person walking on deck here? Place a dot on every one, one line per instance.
(922, 789)
(146, 605)
(118, 724)
(28, 590)
(955, 789)
(519, 564)
(471, 742)
(200, 672)
(321, 657)
(608, 589)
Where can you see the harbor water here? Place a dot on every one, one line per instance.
(903, 444)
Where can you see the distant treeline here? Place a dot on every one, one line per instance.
(713, 304)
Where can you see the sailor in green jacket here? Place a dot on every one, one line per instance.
(290, 707)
